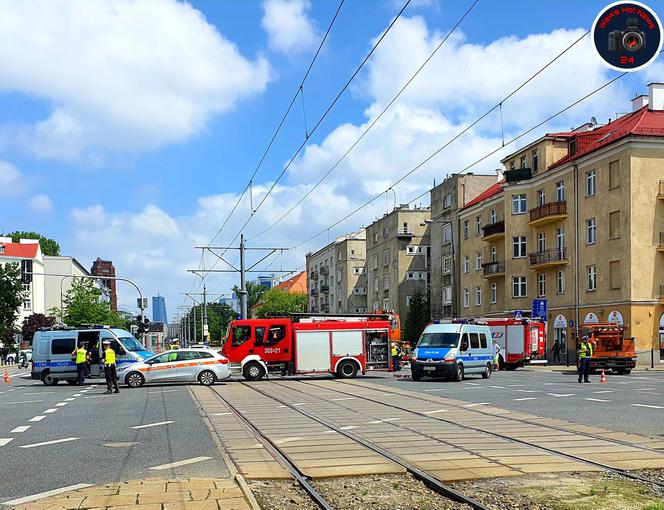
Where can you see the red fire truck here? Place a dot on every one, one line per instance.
(307, 345)
(521, 340)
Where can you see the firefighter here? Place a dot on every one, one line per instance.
(585, 353)
(109, 368)
(396, 351)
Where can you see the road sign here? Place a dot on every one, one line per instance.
(518, 314)
(540, 308)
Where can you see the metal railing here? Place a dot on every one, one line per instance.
(325, 288)
(660, 188)
(314, 275)
(552, 255)
(518, 174)
(548, 210)
(493, 268)
(493, 228)
(324, 270)
(405, 232)
(661, 239)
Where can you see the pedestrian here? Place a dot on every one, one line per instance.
(110, 371)
(3, 355)
(395, 356)
(496, 355)
(556, 351)
(82, 357)
(585, 353)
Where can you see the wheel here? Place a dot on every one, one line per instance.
(628, 371)
(207, 378)
(347, 369)
(487, 371)
(134, 380)
(49, 380)
(71, 382)
(417, 377)
(459, 373)
(253, 371)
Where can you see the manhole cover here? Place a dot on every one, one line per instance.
(125, 444)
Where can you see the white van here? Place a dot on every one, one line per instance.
(452, 350)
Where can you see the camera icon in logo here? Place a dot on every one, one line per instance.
(631, 39)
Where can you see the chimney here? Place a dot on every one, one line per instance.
(656, 97)
(499, 174)
(639, 102)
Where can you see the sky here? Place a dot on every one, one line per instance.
(129, 128)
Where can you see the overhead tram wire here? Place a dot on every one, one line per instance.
(456, 137)
(320, 121)
(373, 123)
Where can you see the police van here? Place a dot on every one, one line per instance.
(452, 350)
(52, 349)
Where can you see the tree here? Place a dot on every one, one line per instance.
(32, 323)
(11, 299)
(417, 318)
(254, 293)
(82, 305)
(219, 316)
(278, 301)
(48, 246)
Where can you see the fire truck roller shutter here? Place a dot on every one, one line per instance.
(515, 346)
(313, 351)
(347, 343)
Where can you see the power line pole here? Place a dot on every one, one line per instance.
(243, 284)
(205, 319)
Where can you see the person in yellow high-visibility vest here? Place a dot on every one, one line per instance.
(110, 370)
(82, 358)
(585, 353)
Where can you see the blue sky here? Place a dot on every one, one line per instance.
(128, 129)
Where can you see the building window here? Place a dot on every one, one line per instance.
(466, 264)
(560, 191)
(447, 295)
(352, 252)
(447, 201)
(447, 233)
(386, 233)
(376, 284)
(560, 282)
(614, 174)
(478, 296)
(386, 304)
(512, 165)
(375, 237)
(386, 257)
(466, 298)
(614, 274)
(27, 305)
(541, 197)
(374, 261)
(493, 291)
(560, 238)
(541, 242)
(519, 204)
(523, 161)
(591, 231)
(535, 158)
(590, 183)
(447, 265)
(386, 282)
(27, 287)
(571, 148)
(494, 254)
(339, 256)
(411, 250)
(519, 247)
(466, 230)
(478, 225)
(591, 278)
(478, 261)
(359, 271)
(614, 225)
(492, 216)
(541, 285)
(519, 287)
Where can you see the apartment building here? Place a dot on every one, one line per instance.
(398, 256)
(579, 221)
(337, 276)
(446, 199)
(62, 271)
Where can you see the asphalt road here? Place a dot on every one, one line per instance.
(629, 403)
(88, 423)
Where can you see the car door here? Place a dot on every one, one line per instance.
(464, 350)
(162, 368)
(474, 353)
(188, 365)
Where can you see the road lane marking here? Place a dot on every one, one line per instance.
(78, 394)
(37, 418)
(22, 402)
(69, 399)
(221, 414)
(55, 441)
(287, 440)
(530, 391)
(299, 404)
(153, 424)
(46, 494)
(524, 398)
(349, 427)
(20, 429)
(498, 387)
(435, 389)
(101, 396)
(477, 404)
(596, 399)
(51, 410)
(435, 411)
(561, 394)
(180, 463)
(604, 391)
(342, 398)
(61, 404)
(39, 392)
(647, 405)
(473, 383)
(5, 440)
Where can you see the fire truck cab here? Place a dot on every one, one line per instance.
(342, 347)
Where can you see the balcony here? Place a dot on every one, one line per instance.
(314, 275)
(549, 258)
(406, 233)
(325, 308)
(493, 269)
(660, 246)
(493, 231)
(325, 288)
(314, 292)
(548, 213)
(660, 190)
(518, 174)
(324, 270)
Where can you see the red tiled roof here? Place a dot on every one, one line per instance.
(493, 190)
(18, 250)
(642, 122)
(297, 283)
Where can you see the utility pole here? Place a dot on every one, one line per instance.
(194, 309)
(204, 326)
(243, 284)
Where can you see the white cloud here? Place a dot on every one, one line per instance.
(122, 75)
(41, 204)
(288, 27)
(11, 180)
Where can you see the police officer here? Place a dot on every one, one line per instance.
(82, 358)
(585, 353)
(110, 371)
(395, 352)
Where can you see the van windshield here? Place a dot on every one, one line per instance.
(131, 344)
(438, 340)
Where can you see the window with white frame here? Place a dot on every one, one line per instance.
(447, 201)
(494, 254)
(512, 165)
(447, 233)
(591, 231)
(359, 271)
(519, 247)
(466, 298)
(591, 277)
(374, 261)
(339, 277)
(375, 237)
(386, 282)
(376, 284)
(360, 309)
(27, 304)
(466, 264)
(478, 225)
(560, 282)
(519, 287)
(478, 296)
(493, 293)
(386, 304)
(560, 238)
(535, 160)
(541, 242)
(447, 295)
(492, 216)
(560, 191)
(339, 256)
(447, 265)
(541, 196)
(519, 204)
(478, 261)
(541, 285)
(411, 250)
(386, 257)
(523, 161)
(591, 183)
(386, 233)
(360, 291)
(466, 229)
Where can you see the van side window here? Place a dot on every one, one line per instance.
(63, 345)
(117, 348)
(241, 334)
(276, 334)
(260, 334)
(483, 342)
(474, 341)
(464, 342)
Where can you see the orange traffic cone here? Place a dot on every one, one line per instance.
(7, 380)
(602, 379)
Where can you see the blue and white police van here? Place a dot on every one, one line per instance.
(52, 349)
(451, 350)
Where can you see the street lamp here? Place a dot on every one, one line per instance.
(454, 267)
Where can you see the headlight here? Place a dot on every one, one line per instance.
(450, 357)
